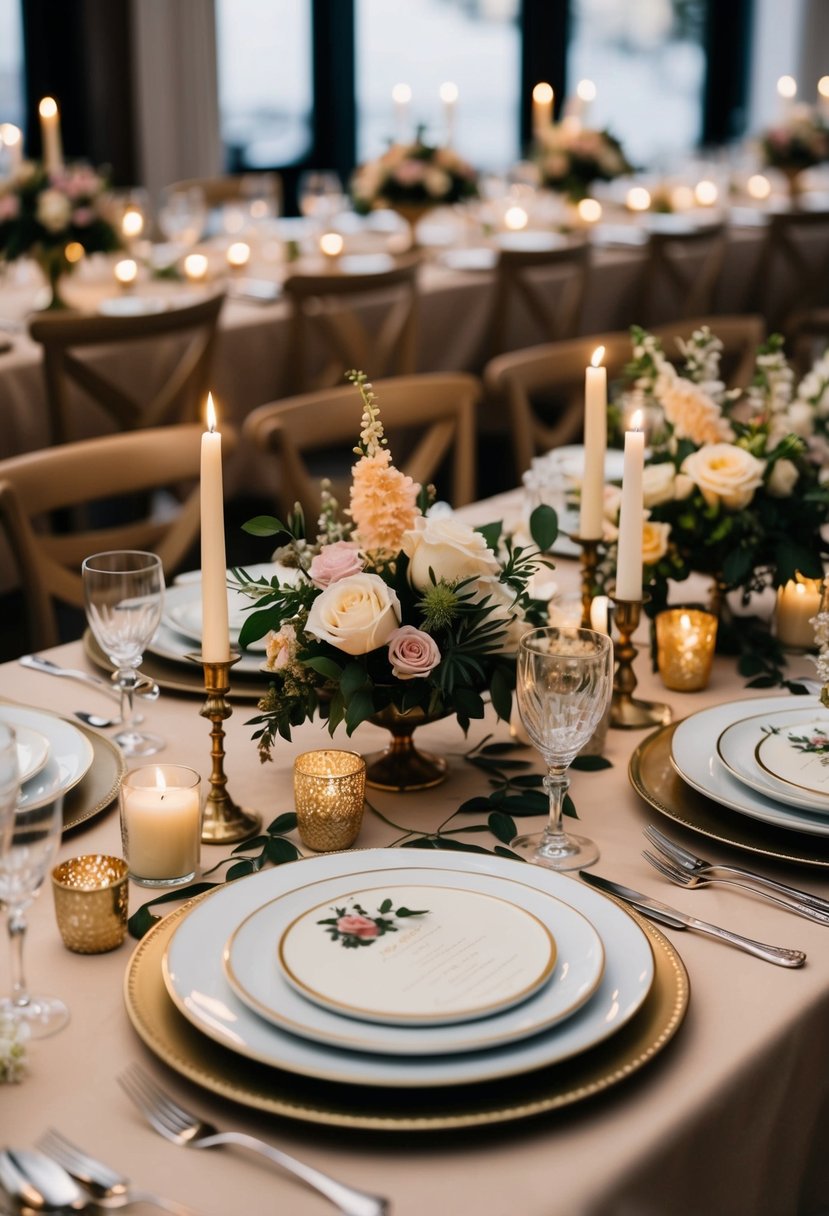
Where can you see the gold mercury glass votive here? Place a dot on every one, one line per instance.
(329, 791)
(91, 902)
(685, 641)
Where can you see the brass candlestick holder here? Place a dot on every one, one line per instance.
(224, 822)
(588, 560)
(626, 712)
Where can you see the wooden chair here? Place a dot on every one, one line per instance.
(178, 398)
(792, 270)
(427, 418)
(543, 387)
(353, 320)
(681, 273)
(519, 282)
(35, 485)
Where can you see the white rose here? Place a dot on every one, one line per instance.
(658, 484)
(801, 419)
(725, 474)
(612, 502)
(783, 478)
(53, 210)
(683, 486)
(504, 609)
(355, 614)
(437, 183)
(654, 541)
(451, 549)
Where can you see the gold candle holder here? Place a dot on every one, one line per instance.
(685, 641)
(329, 793)
(588, 561)
(626, 712)
(224, 822)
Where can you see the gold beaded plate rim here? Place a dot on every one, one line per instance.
(179, 1045)
(173, 677)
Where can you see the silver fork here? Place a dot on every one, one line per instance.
(683, 878)
(181, 1126)
(697, 865)
(101, 1181)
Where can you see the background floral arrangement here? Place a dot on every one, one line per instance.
(416, 174)
(798, 143)
(732, 487)
(41, 213)
(390, 606)
(570, 158)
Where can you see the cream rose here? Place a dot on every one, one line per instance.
(658, 484)
(355, 614)
(783, 478)
(725, 474)
(654, 541)
(504, 610)
(53, 210)
(451, 549)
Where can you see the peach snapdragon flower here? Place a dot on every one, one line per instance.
(383, 502)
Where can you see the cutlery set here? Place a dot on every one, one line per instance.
(146, 689)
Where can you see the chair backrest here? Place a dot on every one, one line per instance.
(35, 485)
(234, 187)
(178, 398)
(681, 273)
(552, 375)
(426, 418)
(792, 269)
(520, 276)
(351, 320)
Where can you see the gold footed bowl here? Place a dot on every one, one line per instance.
(401, 766)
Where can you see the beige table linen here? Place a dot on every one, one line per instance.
(731, 1120)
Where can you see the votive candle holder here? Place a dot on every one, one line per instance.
(685, 641)
(161, 822)
(329, 793)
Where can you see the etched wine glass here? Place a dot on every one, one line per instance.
(564, 681)
(29, 838)
(123, 594)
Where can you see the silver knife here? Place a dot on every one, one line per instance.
(145, 688)
(665, 915)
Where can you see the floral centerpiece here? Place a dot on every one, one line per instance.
(51, 215)
(795, 144)
(394, 613)
(411, 178)
(571, 157)
(732, 485)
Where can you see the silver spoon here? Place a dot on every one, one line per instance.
(38, 1184)
(101, 723)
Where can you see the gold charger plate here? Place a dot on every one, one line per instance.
(178, 1044)
(655, 779)
(179, 677)
(99, 786)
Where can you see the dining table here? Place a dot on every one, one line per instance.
(725, 1111)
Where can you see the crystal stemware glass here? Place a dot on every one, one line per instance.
(564, 683)
(321, 196)
(123, 594)
(29, 838)
(182, 215)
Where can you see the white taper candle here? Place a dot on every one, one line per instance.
(629, 553)
(215, 632)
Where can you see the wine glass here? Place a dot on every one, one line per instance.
(320, 194)
(182, 215)
(123, 594)
(564, 682)
(29, 839)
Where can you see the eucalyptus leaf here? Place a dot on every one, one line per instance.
(264, 525)
(283, 823)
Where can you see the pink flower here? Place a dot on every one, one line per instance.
(357, 926)
(82, 217)
(412, 653)
(9, 207)
(334, 562)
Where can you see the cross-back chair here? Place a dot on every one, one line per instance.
(428, 419)
(35, 485)
(351, 320)
(71, 348)
(790, 278)
(681, 273)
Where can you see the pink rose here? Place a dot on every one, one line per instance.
(357, 926)
(82, 217)
(334, 562)
(412, 653)
(9, 207)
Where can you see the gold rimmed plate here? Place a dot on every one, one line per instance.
(178, 677)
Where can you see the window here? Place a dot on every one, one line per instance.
(265, 81)
(647, 61)
(11, 63)
(473, 44)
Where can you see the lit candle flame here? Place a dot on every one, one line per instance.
(823, 87)
(331, 244)
(590, 210)
(685, 621)
(160, 782)
(211, 413)
(10, 135)
(543, 93)
(598, 355)
(448, 92)
(48, 107)
(586, 90)
(636, 420)
(516, 218)
(402, 94)
(787, 87)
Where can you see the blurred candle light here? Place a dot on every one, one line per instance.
(599, 614)
(515, 218)
(542, 107)
(706, 193)
(797, 603)
(823, 96)
(238, 255)
(195, 267)
(786, 91)
(758, 187)
(50, 135)
(638, 199)
(73, 251)
(126, 272)
(132, 223)
(449, 97)
(590, 210)
(331, 245)
(402, 97)
(11, 138)
(682, 197)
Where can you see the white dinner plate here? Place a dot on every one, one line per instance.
(69, 760)
(32, 751)
(577, 974)
(183, 611)
(531, 240)
(196, 982)
(480, 258)
(694, 756)
(741, 748)
(131, 306)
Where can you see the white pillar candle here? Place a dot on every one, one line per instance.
(786, 91)
(11, 138)
(595, 444)
(449, 97)
(629, 553)
(797, 603)
(823, 96)
(215, 644)
(402, 97)
(50, 135)
(542, 108)
(599, 614)
(161, 822)
(586, 93)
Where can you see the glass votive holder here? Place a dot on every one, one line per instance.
(329, 791)
(798, 602)
(161, 819)
(685, 641)
(91, 902)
